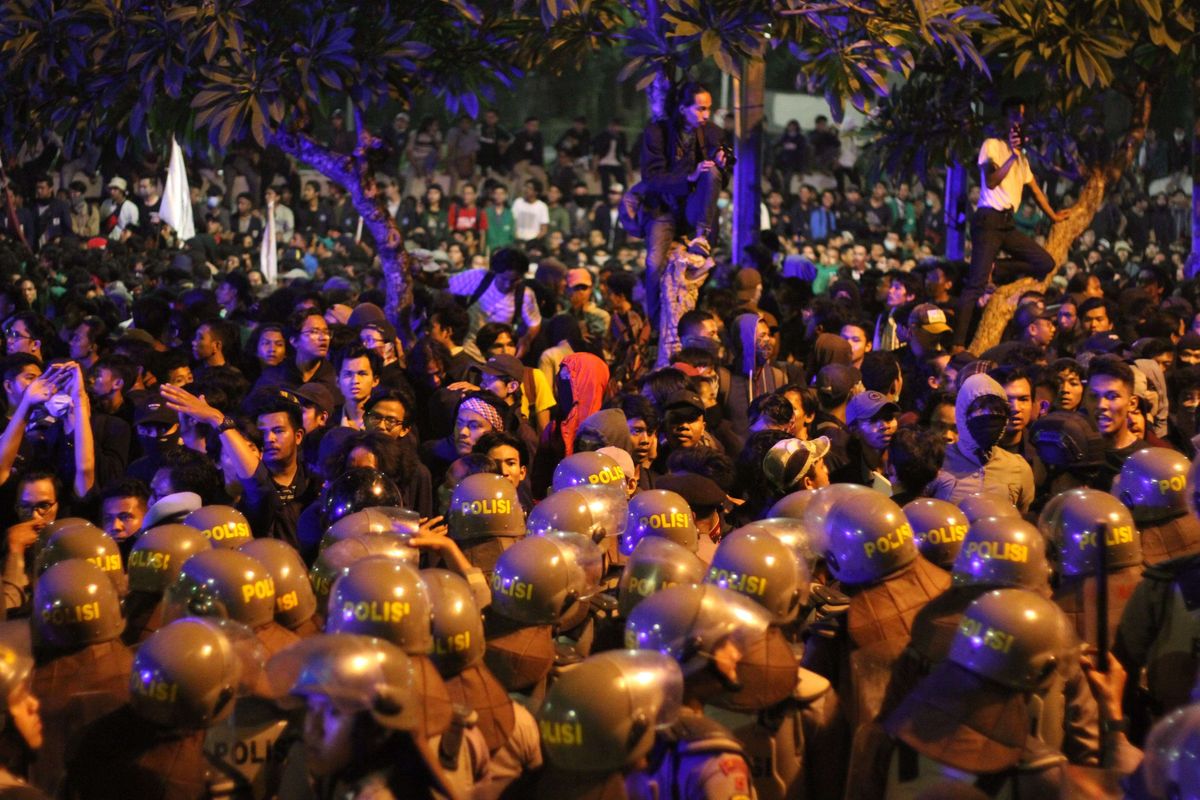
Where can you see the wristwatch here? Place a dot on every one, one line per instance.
(1114, 726)
(226, 424)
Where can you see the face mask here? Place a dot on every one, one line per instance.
(986, 430)
(889, 245)
(722, 203)
(566, 401)
(58, 405)
(213, 202)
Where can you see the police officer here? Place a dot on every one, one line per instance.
(1084, 516)
(507, 727)
(539, 583)
(564, 510)
(154, 563)
(970, 719)
(396, 521)
(82, 667)
(786, 717)
(938, 529)
(21, 730)
(868, 548)
(601, 720)
(228, 584)
(1158, 628)
(295, 603)
(186, 679)
(987, 503)
(363, 736)
(485, 518)
(708, 630)
(604, 478)
(224, 526)
(1000, 552)
(383, 598)
(792, 506)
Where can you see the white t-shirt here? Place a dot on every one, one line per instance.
(529, 218)
(1007, 195)
(496, 307)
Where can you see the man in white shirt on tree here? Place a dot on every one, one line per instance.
(1004, 174)
(531, 215)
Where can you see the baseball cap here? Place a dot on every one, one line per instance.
(365, 313)
(578, 277)
(928, 318)
(1107, 342)
(788, 461)
(868, 405)
(697, 490)
(837, 380)
(155, 412)
(1031, 312)
(315, 394)
(119, 183)
(505, 366)
(684, 398)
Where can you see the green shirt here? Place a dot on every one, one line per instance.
(501, 229)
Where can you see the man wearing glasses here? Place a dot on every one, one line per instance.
(25, 332)
(309, 334)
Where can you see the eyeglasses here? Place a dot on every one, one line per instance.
(382, 421)
(316, 333)
(13, 334)
(40, 509)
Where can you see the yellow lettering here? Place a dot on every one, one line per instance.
(562, 733)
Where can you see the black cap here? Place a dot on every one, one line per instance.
(1032, 311)
(684, 398)
(1107, 342)
(699, 492)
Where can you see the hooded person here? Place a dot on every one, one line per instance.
(605, 428)
(579, 389)
(753, 374)
(829, 348)
(975, 462)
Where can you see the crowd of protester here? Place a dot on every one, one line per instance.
(766, 403)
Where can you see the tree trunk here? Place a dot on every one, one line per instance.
(1004, 302)
(1192, 268)
(952, 205)
(750, 92)
(353, 174)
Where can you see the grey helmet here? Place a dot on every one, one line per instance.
(1014, 637)
(485, 506)
(88, 544)
(225, 526)
(759, 566)
(1002, 551)
(657, 512)
(75, 604)
(1082, 515)
(188, 673)
(458, 638)
(379, 519)
(540, 578)
(656, 564)
(227, 584)
(564, 510)
(604, 478)
(688, 623)
(384, 598)
(602, 714)
(295, 602)
(792, 506)
(158, 555)
(866, 539)
(333, 561)
(938, 529)
(1153, 482)
(988, 503)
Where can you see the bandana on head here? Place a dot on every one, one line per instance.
(485, 410)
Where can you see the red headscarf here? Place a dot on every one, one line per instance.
(589, 379)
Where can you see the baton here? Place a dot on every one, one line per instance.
(1102, 597)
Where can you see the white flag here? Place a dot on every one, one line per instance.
(176, 208)
(268, 257)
